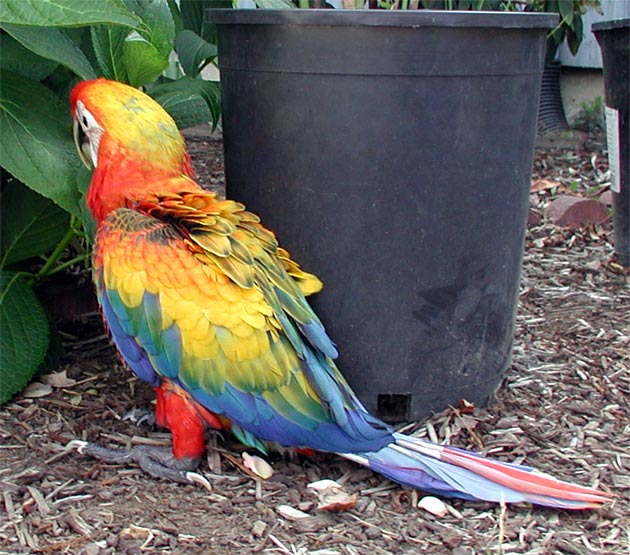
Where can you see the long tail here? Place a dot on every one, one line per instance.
(453, 472)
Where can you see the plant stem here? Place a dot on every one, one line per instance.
(52, 259)
(67, 264)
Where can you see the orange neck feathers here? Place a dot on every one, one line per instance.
(122, 179)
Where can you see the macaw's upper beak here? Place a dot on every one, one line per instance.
(83, 145)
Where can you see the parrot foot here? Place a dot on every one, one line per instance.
(158, 462)
(140, 417)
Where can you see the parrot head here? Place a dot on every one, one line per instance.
(132, 144)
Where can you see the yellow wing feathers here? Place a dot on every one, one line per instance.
(197, 261)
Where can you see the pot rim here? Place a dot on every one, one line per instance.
(623, 23)
(382, 18)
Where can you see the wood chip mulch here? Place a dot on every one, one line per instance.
(563, 408)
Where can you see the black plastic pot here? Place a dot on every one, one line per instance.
(614, 40)
(391, 152)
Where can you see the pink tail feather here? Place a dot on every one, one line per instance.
(529, 482)
(453, 472)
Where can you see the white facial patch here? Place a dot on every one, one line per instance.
(88, 134)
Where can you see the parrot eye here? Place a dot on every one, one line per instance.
(87, 135)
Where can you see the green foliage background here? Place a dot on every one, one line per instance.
(47, 46)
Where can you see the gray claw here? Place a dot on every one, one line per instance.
(159, 462)
(197, 478)
(140, 416)
(77, 444)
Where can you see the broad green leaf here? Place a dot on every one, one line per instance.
(24, 337)
(83, 178)
(193, 14)
(557, 34)
(190, 101)
(31, 224)
(66, 13)
(143, 61)
(575, 35)
(107, 43)
(158, 26)
(187, 109)
(566, 10)
(54, 44)
(19, 59)
(175, 14)
(192, 50)
(36, 143)
(551, 6)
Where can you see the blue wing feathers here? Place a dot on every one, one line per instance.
(135, 356)
(318, 338)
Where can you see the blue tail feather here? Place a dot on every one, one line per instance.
(452, 472)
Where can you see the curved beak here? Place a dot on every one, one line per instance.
(82, 143)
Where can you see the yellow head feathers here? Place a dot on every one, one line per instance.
(130, 119)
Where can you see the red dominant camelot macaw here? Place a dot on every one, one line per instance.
(204, 306)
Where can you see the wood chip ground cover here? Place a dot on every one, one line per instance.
(563, 408)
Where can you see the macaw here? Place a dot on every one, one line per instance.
(205, 306)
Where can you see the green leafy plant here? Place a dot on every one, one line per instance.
(591, 117)
(47, 46)
(477, 5)
(571, 25)
(35, 234)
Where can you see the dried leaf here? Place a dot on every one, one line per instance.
(543, 185)
(322, 486)
(58, 379)
(290, 513)
(37, 389)
(332, 497)
(337, 502)
(258, 466)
